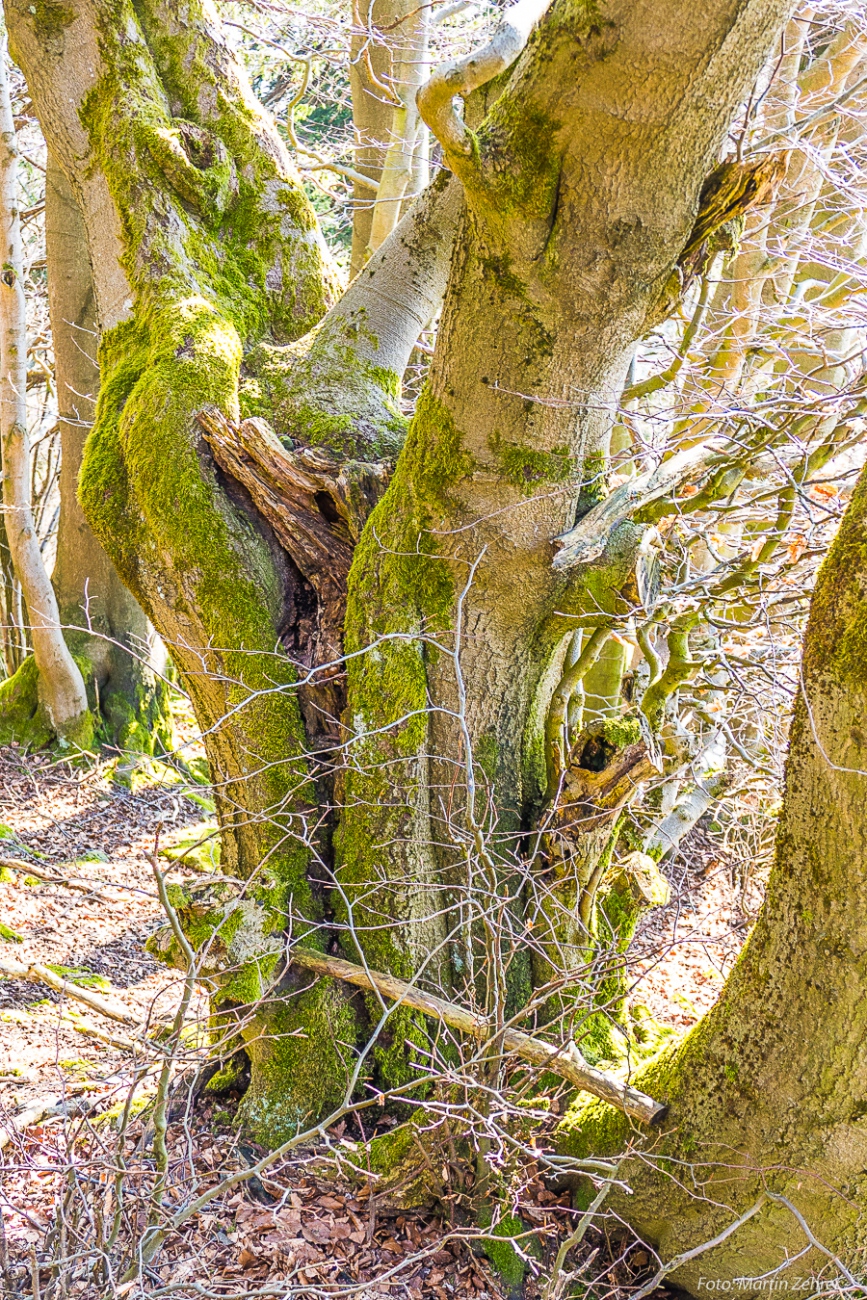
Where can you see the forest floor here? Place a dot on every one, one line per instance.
(92, 832)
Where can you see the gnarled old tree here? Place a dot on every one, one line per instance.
(403, 679)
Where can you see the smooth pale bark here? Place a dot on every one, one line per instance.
(581, 187)
(61, 686)
(768, 1089)
(388, 64)
(409, 56)
(376, 27)
(90, 593)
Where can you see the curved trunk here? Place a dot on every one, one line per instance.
(60, 686)
(766, 1092)
(131, 698)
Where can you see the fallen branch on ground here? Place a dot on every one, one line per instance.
(118, 1041)
(38, 974)
(28, 869)
(565, 1060)
(47, 1108)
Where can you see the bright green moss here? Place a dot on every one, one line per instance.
(502, 1254)
(143, 727)
(22, 717)
(297, 1079)
(621, 732)
(518, 147)
(52, 18)
(322, 393)
(529, 469)
(402, 1160)
(594, 486)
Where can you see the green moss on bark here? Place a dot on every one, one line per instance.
(221, 250)
(323, 393)
(24, 719)
(398, 585)
(297, 1079)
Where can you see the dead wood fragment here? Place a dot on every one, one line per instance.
(315, 502)
(565, 1060)
(39, 974)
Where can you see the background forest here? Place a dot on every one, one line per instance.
(313, 958)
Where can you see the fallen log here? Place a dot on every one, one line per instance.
(565, 1060)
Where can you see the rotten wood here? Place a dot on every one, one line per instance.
(315, 502)
(565, 1060)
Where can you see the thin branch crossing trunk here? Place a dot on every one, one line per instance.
(564, 1060)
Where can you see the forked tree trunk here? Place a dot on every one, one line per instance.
(103, 623)
(582, 188)
(767, 1092)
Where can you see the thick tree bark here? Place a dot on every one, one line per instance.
(767, 1091)
(582, 186)
(130, 697)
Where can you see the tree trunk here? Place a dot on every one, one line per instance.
(766, 1092)
(131, 699)
(249, 545)
(536, 336)
(60, 693)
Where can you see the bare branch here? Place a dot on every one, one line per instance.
(564, 1060)
(463, 76)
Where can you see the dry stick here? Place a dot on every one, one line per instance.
(37, 974)
(813, 1240)
(110, 1040)
(559, 1278)
(161, 1103)
(564, 1060)
(27, 869)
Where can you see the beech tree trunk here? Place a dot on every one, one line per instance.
(766, 1093)
(56, 687)
(130, 697)
(252, 478)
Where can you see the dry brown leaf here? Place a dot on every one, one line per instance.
(331, 1202)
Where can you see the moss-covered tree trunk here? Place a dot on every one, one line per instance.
(574, 223)
(767, 1093)
(250, 547)
(103, 622)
